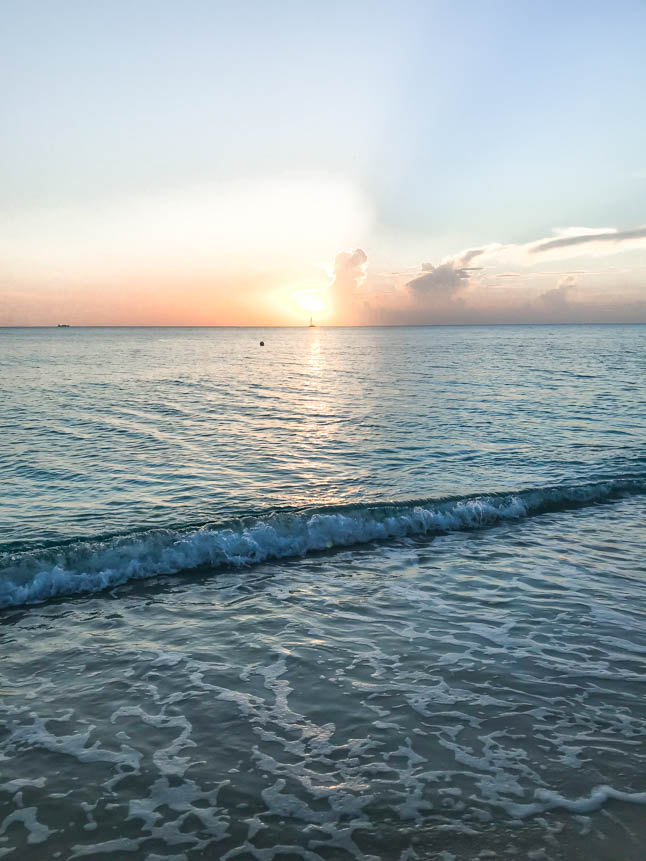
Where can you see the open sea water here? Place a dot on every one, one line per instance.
(368, 593)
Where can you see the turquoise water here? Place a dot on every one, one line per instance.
(359, 593)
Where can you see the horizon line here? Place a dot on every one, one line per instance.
(306, 326)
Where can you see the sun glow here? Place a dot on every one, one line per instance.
(312, 301)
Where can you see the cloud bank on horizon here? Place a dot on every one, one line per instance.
(455, 291)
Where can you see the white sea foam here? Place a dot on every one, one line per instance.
(92, 566)
(36, 831)
(548, 800)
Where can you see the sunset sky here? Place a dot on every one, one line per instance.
(253, 163)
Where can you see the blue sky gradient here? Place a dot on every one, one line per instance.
(455, 125)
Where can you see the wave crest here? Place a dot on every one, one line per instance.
(91, 566)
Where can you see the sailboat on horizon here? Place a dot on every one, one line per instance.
(312, 325)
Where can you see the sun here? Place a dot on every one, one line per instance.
(302, 296)
(311, 301)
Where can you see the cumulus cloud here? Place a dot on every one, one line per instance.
(559, 298)
(349, 275)
(436, 294)
(350, 268)
(438, 283)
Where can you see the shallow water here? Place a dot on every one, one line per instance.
(423, 637)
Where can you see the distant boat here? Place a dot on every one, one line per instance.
(62, 325)
(312, 326)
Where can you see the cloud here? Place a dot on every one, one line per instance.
(357, 296)
(349, 270)
(558, 299)
(563, 244)
(508, 284)
(465, 257)
(435, 295)
(349, 275)
(349, 267)
(438, 282)
(586, 237)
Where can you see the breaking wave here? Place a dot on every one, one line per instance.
(94, 565)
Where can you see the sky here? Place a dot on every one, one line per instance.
(255, 163)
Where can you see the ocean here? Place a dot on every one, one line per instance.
(358, 593)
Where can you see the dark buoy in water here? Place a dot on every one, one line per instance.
(262, 343)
